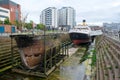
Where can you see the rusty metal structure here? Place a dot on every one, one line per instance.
(48, 51)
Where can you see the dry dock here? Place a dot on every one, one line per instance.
(70, 69)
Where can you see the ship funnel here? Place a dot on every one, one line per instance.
(84, 22)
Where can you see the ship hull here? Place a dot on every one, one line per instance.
(79, 38)
(34, 49)
(31, 50)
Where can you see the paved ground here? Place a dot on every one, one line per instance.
(71, 69)
(72, 51)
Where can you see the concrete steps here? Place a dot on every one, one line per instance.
(6, 57)
(108, 61)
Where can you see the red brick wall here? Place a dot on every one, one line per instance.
(5, 6)
(12, 12)
(8, 28)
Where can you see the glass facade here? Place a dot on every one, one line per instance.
(66, 17)
(12, 3)
(4, 2)
(17, 15)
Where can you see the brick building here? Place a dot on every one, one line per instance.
(15, 10)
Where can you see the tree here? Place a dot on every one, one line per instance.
(40, 26)
(1, 22)
(29, 25)
(6, 21)
(18, 24)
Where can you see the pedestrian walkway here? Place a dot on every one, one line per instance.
(72, 51)
(71, 69)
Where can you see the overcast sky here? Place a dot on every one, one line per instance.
(94, 11)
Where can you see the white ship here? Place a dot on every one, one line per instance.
(80, 34)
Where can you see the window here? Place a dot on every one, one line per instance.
(3, 16)
(3, 11)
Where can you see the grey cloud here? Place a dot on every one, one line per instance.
(91, 10)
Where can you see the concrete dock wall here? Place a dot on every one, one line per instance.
(108, 59)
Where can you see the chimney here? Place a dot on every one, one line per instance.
(84, 22)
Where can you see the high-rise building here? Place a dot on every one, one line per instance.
(66, 17)
(4, 13)
(48, 17)
(15, 12)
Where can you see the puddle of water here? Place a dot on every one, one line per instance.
(71, 69)
(72, 72)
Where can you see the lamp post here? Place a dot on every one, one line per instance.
(119, 34)
(44, 52)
